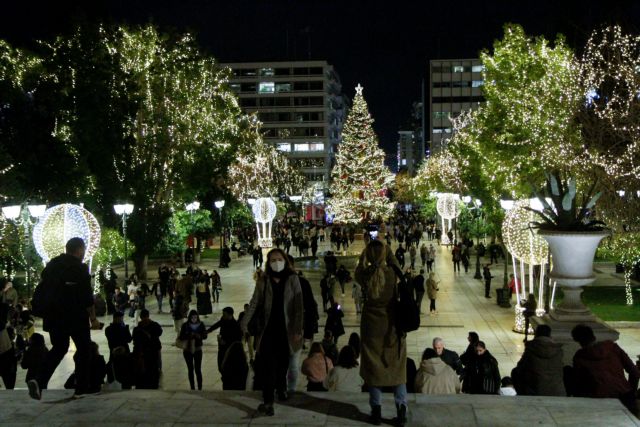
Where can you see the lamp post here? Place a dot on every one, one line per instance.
(22, 215)
(219, 204)
(124, 210)
(192, 207)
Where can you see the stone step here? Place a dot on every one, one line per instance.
(162, 407)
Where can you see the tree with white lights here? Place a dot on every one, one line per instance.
(360, 179)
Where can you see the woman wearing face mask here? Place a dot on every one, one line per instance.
(277, 307)
(192, 333)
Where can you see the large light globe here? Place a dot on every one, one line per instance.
(59, 224)
(520, 240)
(447, 205)
(264, 210)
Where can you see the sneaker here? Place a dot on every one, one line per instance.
(34, 389)
(265, 409)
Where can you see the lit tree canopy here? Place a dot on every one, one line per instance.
(359, 178)
(261, 171)
(441, 172)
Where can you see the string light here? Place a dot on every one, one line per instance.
(448, 205)
(521, 241)
(59, 224)
(264, 211)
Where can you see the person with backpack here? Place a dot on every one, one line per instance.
(384, 351)
(64, 299)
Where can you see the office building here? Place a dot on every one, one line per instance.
(410, 153)
(455, 86)
(301, 106)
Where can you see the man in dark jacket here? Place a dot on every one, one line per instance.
(599, 369)
(539, 371)
(449, 357)
(418, 287)
(331, 263)
(230, 332)
(69, 311)
(146, 351)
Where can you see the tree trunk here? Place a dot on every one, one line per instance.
(505, 281)
(140, 262)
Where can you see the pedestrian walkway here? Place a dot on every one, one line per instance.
(461, 307)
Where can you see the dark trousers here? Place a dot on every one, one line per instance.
(110, 306)
(59, 346)
(194, 363)
(429, 266)
(432, 305)
(456, 266)
(487, 288)
(273, 364)
(8, 368)
(419, 296)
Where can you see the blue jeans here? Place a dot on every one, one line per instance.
(294, 368)
(399, 395)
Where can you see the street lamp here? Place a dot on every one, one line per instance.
(123, 211)
(219, 204)
(192, 207)
(22, 216)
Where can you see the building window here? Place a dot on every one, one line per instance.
(316, 147)
(266, 72)
(301, 147)
(440, 114)
(477, 68)
(248, 87)
(458, 69)
(403, 162)
(283, 146)
(247, 72)
(283, 87)
(477, 83)
(267, 87)
(234, 87)
(248, 102)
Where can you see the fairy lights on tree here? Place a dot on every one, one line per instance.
(359, 178)
(261, 171)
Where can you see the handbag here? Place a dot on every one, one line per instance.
(256, 323)
(182, 344)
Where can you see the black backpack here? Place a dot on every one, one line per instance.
(45, 301)
(407, 315)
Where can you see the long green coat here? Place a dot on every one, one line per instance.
(383, 357)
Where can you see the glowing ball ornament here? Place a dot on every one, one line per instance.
(524, 244)
(264, 211)
(447, 205)
(60, 223)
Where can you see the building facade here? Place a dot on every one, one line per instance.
(410, 151)
(455, 86)
(301, 107)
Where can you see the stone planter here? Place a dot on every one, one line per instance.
(572, 268)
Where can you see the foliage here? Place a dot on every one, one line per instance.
(360, 179)
(563, 213)
(261, 171)
(442, 172)
(238, 214)
(111, 248)
(403, 189)
(428, 207)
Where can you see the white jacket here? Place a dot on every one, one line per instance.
(344, 379)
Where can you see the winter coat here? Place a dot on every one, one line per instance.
(344, 379)
(383, 358)
(483, 375)
(599, 370)
(193, 337)
(293, 308)
(316, 367)
(452, 359)
(436, 377)
(432, 289)
(539, 371)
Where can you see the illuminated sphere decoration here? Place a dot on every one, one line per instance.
(264, 210)
(447, 205)
(59, 224)
(523, 243)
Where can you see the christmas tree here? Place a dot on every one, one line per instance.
(359, 178)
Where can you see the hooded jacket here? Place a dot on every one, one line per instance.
(436, 377)
(539, 371)
(599, 371)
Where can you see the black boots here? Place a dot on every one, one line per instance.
(401, 419)
(376, 415)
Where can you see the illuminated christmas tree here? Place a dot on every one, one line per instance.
(360, 179)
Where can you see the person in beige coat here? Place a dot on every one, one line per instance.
(384, 353)
(277, 303)
(435, 376)
(432, 292)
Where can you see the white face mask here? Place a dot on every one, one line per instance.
(277, 266)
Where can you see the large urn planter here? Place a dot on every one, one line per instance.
(572, 268)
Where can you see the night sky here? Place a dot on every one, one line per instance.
(384, 45)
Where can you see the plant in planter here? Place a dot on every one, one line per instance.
(573, 237)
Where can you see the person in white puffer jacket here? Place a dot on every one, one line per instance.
(344, 376)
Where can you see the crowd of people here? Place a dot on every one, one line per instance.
(262, 348)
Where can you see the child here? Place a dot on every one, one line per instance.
(34, 355)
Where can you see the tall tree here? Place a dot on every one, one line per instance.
(359, 178)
